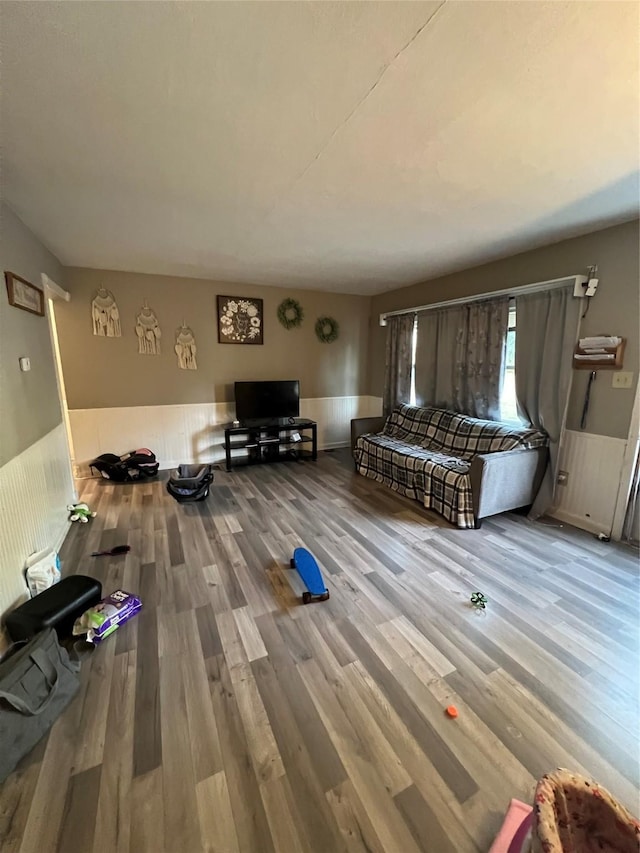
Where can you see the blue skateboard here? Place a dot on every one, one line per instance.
(305, 564)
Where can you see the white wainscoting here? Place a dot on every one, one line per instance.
(35, 488)
(192, 433)
(594, 464)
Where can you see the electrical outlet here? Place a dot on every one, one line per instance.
(25, 363)
(563, 476)
(622, 379)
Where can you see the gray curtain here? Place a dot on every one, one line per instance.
(437, 378)
(397, 375)
(481, 354)
(545, 339)
(460, 357)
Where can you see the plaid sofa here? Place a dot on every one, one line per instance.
(428, 454)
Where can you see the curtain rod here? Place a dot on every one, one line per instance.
(510, 291)
(52, 289)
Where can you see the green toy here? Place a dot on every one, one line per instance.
(80, 512)
(478, 600)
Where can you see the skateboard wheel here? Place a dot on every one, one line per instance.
(306, 597)
(292, 564)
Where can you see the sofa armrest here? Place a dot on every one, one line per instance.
(361, 426)
(506, 480)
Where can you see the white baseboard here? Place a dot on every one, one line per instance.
(62, 535)
(580, 521)
(188, 434)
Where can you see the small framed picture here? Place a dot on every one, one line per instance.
(240, 320)
(23, 294)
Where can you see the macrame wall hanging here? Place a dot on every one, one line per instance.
(105, 315)
(186, 348)
(148, 332)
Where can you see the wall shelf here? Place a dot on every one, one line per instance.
(583, 360)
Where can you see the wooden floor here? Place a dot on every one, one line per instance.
(228, 717)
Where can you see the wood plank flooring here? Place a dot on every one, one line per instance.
(227, 717)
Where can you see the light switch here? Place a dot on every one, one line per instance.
(25, 364)
(622, 379)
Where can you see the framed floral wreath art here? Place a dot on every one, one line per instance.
(240, 320)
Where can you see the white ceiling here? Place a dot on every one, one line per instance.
(344, 146)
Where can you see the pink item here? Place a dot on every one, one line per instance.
(510, 833)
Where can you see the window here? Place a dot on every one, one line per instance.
(508, 406)
(414, 348)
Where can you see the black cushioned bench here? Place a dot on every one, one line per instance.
(57, 607)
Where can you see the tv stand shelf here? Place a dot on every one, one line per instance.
(270, 442)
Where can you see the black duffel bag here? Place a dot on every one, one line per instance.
(37, 682)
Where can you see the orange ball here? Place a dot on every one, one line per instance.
(452, 711)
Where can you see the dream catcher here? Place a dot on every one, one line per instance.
(148, 332)
(105, 315)
(186, 348)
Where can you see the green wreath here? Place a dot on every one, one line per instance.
(327, 329)
(290, 313)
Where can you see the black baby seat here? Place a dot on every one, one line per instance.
(135, 465)
(190, 482)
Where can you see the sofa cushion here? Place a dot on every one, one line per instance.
(414, 454)
(438, 480)
(458, 435)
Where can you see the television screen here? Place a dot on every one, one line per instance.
(267, 401)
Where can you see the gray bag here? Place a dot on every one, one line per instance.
(36, 683)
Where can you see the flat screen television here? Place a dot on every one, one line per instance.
(267, 401)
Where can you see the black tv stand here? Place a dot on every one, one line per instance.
(270, 441)
(264, 423)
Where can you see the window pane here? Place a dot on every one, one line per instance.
(414, 347)
(508, 406)
(511, 349)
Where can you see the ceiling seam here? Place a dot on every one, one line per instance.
(367, 94)
(348, 118)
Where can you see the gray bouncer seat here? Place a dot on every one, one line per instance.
(190, 482)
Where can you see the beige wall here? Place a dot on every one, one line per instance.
(29, 403)
(108, 372)
(614, 310)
